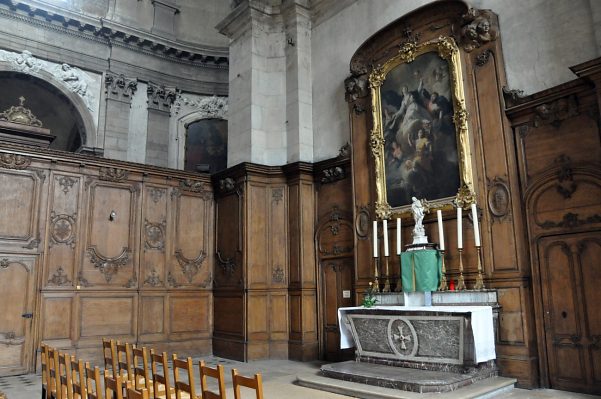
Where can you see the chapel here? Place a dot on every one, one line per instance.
(212, 177)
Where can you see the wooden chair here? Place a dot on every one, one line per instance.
(136, 394)
(184, 390)
(124, 361)
(78, 374)
(53, 374)
(113, 386)
(142, 373)
(93, 383)
(217, 372)
(44, 365)
(109, 354)
(255, 383)
(161, 386)
(64, 371)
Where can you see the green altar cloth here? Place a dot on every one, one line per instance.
(421, 270)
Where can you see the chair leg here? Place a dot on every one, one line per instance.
(43, 392)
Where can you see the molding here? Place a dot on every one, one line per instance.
(113, 34)
(205, 107)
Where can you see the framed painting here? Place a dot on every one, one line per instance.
(420, 133)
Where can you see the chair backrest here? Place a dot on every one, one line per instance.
(109, 354)
(113, 387)
(78, 375)
(217, 373)
(142, 373)
(53, 374)
(124, 361)
(179, 385)
(255, 383)
(44, 366)
(159, 378)
(93, 382)
(132, 393)
(64, 371)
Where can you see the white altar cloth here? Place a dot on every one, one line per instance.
(482, 325)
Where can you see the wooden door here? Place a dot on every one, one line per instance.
(337, 281)
(17, 310)
(570, 267)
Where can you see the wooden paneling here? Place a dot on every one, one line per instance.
(152, 317)
(57, 316)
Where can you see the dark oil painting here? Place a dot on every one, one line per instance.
(206, 146)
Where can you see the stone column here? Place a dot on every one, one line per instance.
(160, 99)
(299, 103)
(119, 91)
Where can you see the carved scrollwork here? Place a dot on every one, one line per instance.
(119, 86)
(160, 97)
(113, 174)
(4, 263)
(356, 87)
(82, 281)
(554, 113)
(108, 266)
(172, 281)
(499, 199)
(59, 278)
(14, 161)
(193, 186)
(154, 280)
(483, 57)
(332, 175)
(190, 267)
(62, 229)
(277, 194)
(570, 220)
(229, 185)
(566, 186)
(277, 275)
(66, 182)
(132, 282)
(228, 266)
(476, 29)
(513, 97)
(155, 235)
(156, 194)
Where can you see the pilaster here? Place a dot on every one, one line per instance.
(119, 91)
(160, 99)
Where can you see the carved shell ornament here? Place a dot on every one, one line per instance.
(21, 115)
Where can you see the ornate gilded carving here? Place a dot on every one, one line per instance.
(119, 86)
(156, 194)
(571, 220)
(14, 161)
(66, 182)
(446, 48)
(21, 115)
(465, 197)
(153, 279)
(155, 235)
(363, 222)
(204, 189)
(277, 194)
(228, 266)
(332, 175)
(113, 174)
(62, 229)
(566, 186)
(108, 266)
(499, 199)
(160, 97)
(59, 278)
(277, 275)
(190, 267)
(555, 112)
(476, 29)
(356, 87)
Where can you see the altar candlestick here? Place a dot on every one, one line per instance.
(459, 232)
(375, 240)
(476, 227)
(385, 227)
(398, 236)
(440, 232)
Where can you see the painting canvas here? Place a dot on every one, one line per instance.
(420, 142)
(206, 145)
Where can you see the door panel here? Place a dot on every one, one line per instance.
(17, 287)
(570, 267)
(337, 280)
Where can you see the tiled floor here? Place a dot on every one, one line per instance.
(278, 382)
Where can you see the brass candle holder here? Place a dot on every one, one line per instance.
(387, 283)
(376, 277)
(460, 279)
(479, 280)
(443, 279)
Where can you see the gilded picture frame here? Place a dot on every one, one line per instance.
(419, 138)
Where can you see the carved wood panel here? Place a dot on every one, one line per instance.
(155, 237)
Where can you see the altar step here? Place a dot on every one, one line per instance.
(379, 377)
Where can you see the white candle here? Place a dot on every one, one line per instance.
(385, 227)
(440, 232)
(375, 240)
(459, 235)
(476, 227)
(398, 236)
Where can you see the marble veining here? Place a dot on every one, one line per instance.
(439, 338)
(372, 335)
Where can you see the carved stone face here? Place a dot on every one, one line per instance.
(483, 26)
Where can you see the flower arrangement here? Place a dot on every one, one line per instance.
(369, 299)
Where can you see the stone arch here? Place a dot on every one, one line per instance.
(85, 119)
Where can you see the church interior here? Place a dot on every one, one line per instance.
(220, 178)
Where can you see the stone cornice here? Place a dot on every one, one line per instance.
(113, 34)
